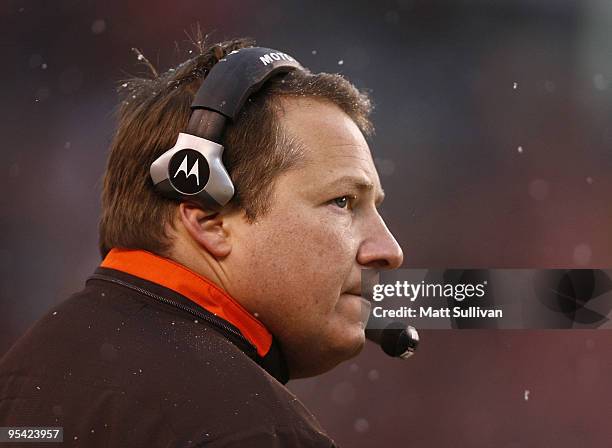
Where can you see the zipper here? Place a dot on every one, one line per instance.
(210, 318)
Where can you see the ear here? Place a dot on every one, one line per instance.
(206, 228)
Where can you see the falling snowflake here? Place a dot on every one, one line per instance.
(361, 425)
(582, 254)
(98, 26)
(600, 81)
(341, 62)
(539, 189)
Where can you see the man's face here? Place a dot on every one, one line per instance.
(298, 266)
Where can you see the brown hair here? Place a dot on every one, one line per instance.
(154, 111)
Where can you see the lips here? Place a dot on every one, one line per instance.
(355, 292)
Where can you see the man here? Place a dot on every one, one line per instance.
(196, 317)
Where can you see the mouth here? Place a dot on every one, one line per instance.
(356, 291)
(363, 306)
(359, 293)
(356, 294)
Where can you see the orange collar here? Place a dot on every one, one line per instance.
(196, 288)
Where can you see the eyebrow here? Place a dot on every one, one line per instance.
(360, 184)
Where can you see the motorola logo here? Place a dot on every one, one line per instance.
(188, 171)
(269, 58)
(194, 171)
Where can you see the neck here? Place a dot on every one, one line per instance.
(186, 252)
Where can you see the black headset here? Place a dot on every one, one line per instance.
(193, 168)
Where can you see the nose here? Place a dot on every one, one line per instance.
(379, 249)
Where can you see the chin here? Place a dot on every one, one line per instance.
(358, 345)
(341, 349)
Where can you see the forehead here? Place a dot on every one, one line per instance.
(333, 144)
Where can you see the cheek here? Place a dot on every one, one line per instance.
(322, 247)
(305, 256)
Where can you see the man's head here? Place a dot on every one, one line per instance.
(303, 222)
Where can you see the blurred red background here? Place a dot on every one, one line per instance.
(494, 148)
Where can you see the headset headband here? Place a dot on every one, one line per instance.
(237, 76)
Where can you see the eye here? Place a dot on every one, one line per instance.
(342, 201)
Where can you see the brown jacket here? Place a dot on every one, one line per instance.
(151, 355)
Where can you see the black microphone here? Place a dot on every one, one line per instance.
(396, 339)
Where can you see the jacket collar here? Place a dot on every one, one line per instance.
(204, 293)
